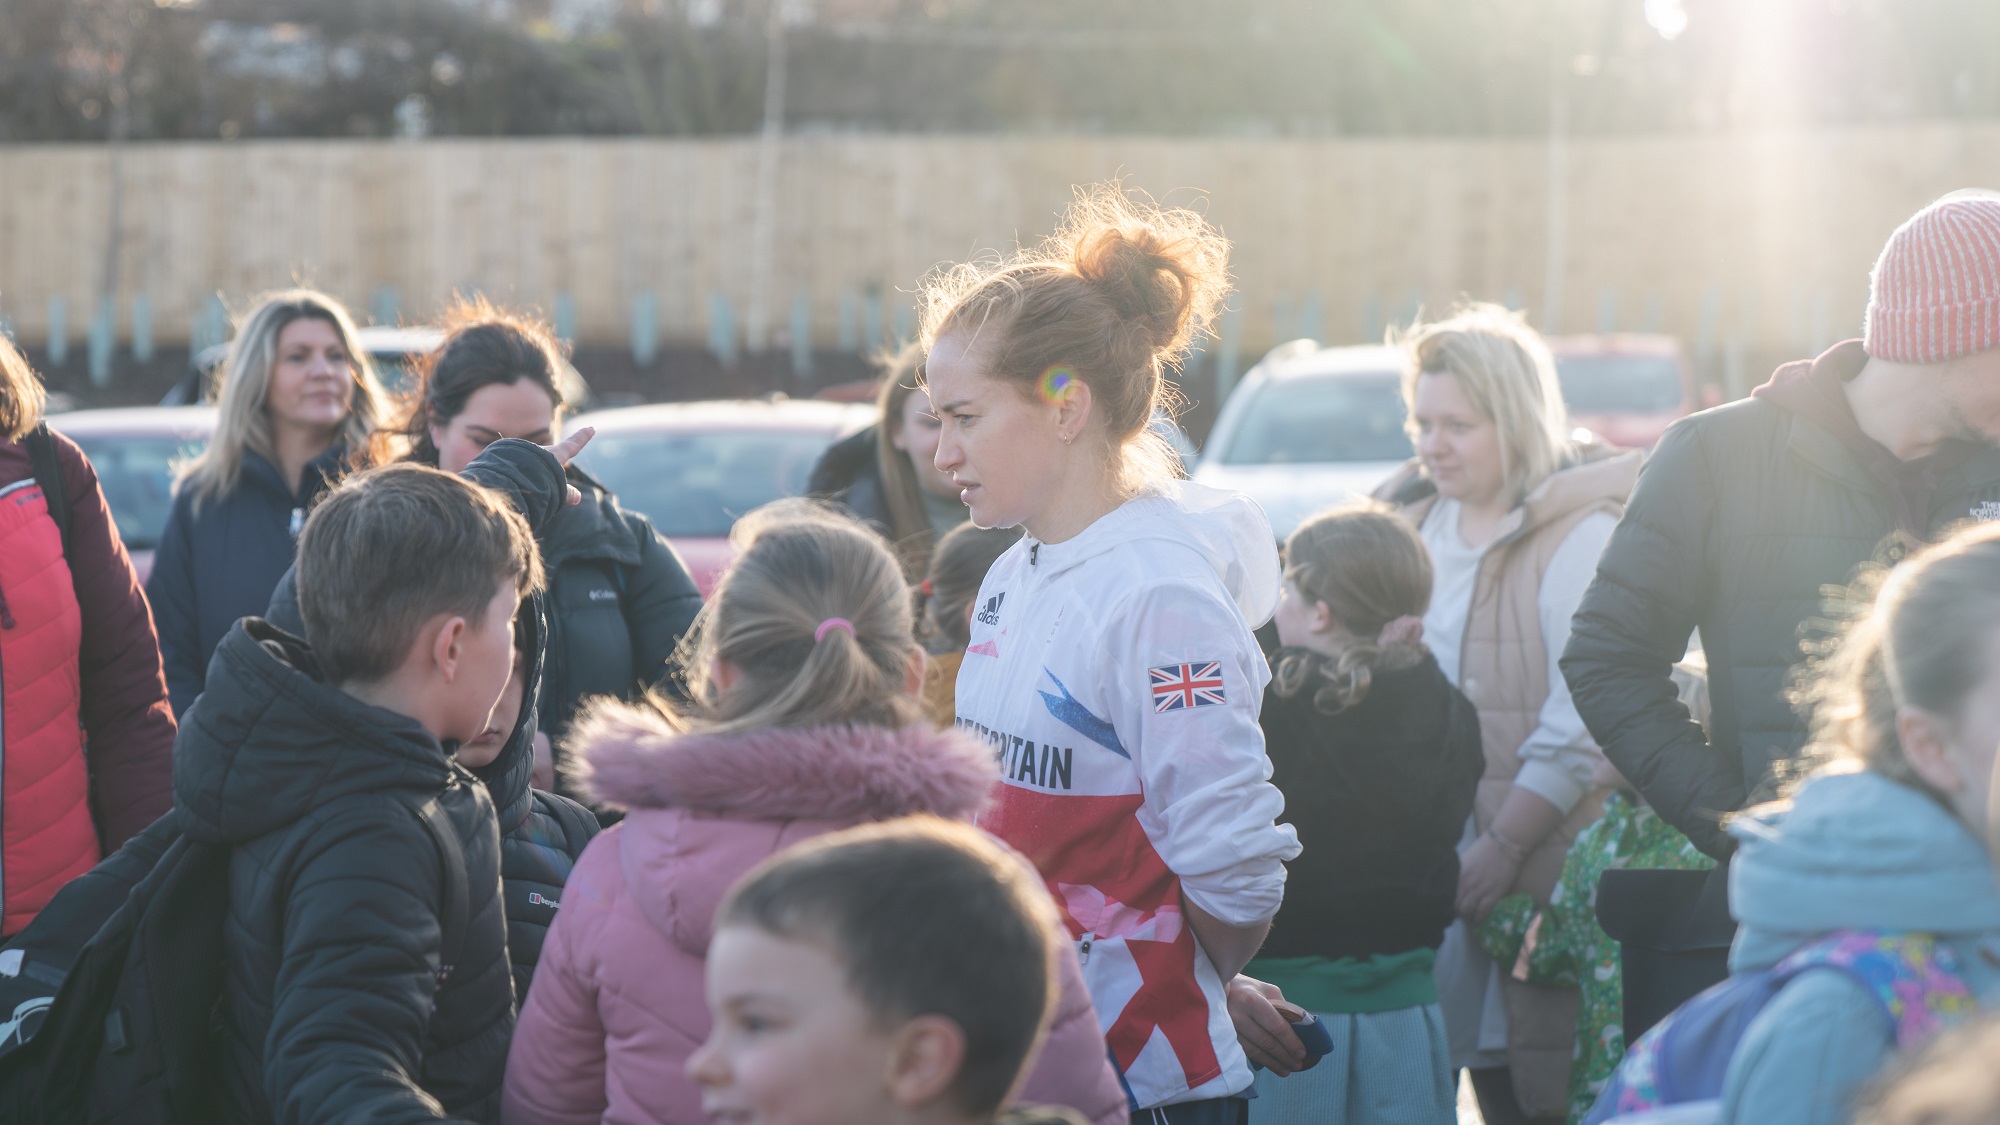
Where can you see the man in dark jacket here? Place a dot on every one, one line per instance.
(366, 945)
(1746, 515)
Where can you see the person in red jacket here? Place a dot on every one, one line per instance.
(86, 735)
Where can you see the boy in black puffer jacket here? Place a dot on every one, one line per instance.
(541, 833)
(366, 948)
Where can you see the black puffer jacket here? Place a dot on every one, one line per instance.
(1741, 519)
(619, 600)
(849, 473)
(332, 1009)
(541, 834)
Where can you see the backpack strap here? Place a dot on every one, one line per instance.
(453, 923)
(48, 473)
(1914, 979)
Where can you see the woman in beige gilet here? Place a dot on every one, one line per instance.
(1514, 512)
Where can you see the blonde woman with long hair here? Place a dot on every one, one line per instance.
(1514, 513)
(298, 400)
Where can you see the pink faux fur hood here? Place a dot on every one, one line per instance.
(617, 1004)
(632, 760)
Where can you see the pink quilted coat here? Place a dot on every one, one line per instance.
(617, 1005)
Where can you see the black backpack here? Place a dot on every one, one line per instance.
(108, 999)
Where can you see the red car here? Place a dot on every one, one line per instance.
(1628, 388)
(693, 467)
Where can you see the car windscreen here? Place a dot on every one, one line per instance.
(136, 472)
(695, 483)
(1620, 384)
(1317, 419)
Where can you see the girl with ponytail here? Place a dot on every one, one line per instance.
(1379, 759)
(1111, 665)
(801, 718)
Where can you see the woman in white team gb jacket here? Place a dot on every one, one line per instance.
(1112, 666)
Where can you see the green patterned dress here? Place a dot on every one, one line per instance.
(1563, 944)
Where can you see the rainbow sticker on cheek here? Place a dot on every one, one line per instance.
(1058, 383)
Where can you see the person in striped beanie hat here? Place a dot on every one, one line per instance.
(1745, 514)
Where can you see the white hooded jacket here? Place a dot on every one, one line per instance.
(1116, 677)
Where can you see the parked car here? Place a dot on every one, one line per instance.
(135, 450)
(1628, 389)
(693, 467)
(395, 352)
(1308, 427)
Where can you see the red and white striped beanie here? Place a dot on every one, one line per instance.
(1935, 293)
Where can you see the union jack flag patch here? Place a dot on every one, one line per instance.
(1177, 687)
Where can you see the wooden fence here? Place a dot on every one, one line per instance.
(1758, 242)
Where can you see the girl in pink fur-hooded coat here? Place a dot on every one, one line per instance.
(805, 677)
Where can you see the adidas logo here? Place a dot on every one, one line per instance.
(989, 614)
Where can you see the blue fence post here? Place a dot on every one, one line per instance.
(58, 347)
(384, 304)
(1707, 329)
(906, 324)
(103, 341)
(566, 317)
(1655, 313)
(1312, 317)
(1607, 310)
(1284, 326)
(645, 328)
(871, 318)
(802, 336)
(721, 329)
(1514, 299)
(1371, 318)
(142, 328)
(1413, 307)
(850, 323)
(1229, 343)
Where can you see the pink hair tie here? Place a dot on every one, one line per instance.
(831, 624)
(1401, 631)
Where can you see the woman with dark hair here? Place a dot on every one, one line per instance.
(87, 757)
(619, 598)
(298, 399)
(887, 474)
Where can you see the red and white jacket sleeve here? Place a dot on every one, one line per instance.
(1210, 808)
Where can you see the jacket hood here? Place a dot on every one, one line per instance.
(1597, 473)
(268, 741)
(630, 758)
(509, 775)
(1853, 851)
(1228, 530)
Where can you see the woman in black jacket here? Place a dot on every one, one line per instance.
(297, 397)
(619, 598)
(887, 474)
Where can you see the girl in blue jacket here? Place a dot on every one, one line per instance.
(1884, 846)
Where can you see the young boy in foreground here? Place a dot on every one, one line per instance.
(894, 973)
(367, 953)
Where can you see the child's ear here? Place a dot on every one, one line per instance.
(924, 1060)
(1927, 747)
(1323, 620)
(913, 672)
(723, 675)
(447, 647)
